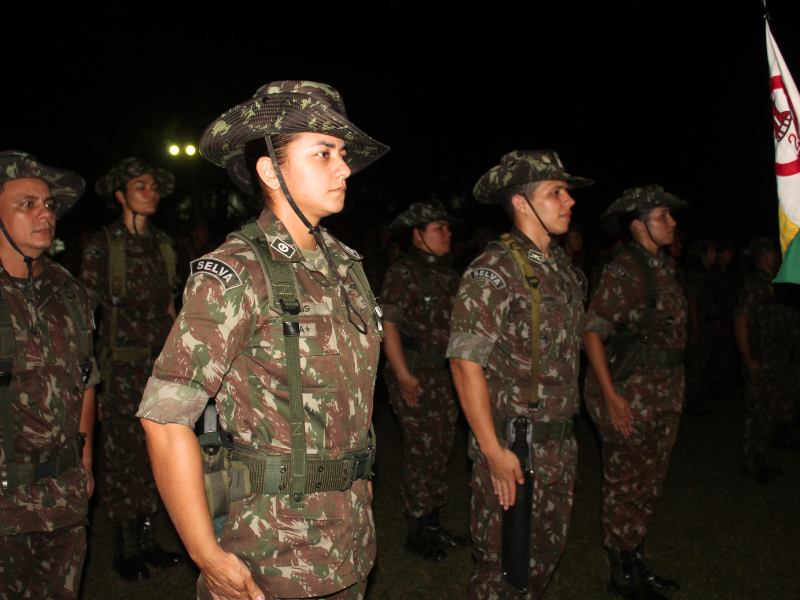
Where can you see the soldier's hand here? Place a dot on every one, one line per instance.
(230, 579)
(620, 412)
(99, 411)
(410, 389)
(90, 482)
(506, 473)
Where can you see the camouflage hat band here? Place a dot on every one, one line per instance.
(520, 167)
(422, 213)
(645, 198)
(67, 187)
(282, 107)
(128, 169)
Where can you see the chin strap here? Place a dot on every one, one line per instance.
(537, 215)
(29, 288)
(650, 234)
(422, 239)
(317, 234)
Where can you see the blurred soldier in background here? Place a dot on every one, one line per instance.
(129, 270)
(416, 299)
(47, 379)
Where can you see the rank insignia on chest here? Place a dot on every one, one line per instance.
(493, 277)
(216, 268)
(282, 248)
(535, 256)
(616, 269)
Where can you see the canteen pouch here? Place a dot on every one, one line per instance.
(625, 353)
(412, 349)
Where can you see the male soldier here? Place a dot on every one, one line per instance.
(46, 388)
(766, 334)
(129, 270)
(704, 324)
(416, 299)
(518, 291)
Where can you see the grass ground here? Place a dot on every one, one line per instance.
(721, 534)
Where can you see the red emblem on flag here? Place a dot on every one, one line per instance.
(782, 121)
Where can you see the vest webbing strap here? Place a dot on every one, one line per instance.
(284, 299)
(360, 279)
(116, 289)
(9, 472)
(532, 281)
(649, 292)
(427, 296)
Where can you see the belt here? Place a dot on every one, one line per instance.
(552, 431)
(663, 357)
(135, 354)
(27, 473)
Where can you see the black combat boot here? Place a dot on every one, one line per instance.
(149, 550)
(422, 543)
(127, 561)
(650, 579)
(761, 471)
(440, 534)
(624, 581)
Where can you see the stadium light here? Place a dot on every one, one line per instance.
(174, 150)
(190, 150)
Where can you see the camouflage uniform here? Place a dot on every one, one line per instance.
(42, 525)
(703, 284)
(428, 428)
(634, 468)
(226, 343)
(128, 488)
(491, 326)
(773, 331)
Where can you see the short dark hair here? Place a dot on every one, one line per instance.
(626, 219)
(254, 150)
(524, 189)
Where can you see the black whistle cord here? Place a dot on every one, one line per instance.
(315, 231)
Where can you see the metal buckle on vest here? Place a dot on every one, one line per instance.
(4, 476)
(115, 300)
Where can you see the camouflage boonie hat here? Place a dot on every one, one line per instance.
(422, 213)
(67, 187)
(763, 245)
(290, 106)
(127, 169)
(644, 198)
(523, 166)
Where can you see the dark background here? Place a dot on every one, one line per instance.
(627, 92)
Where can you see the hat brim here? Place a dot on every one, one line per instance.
(673, 203)
(492, 192)
(67, 187)
(222, 143)
(399, 224)
(164, 179)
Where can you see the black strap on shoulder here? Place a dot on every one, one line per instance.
(280, 277)
(427, 296)
(638, 254)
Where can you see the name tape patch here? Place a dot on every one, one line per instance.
(616, 270)
(282, 247)
(216, 268)
(493, 277)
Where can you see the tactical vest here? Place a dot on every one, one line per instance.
(116, 289)
(240, 471)
(15, 473)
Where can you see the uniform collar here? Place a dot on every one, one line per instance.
(533, 252)
(427, 258)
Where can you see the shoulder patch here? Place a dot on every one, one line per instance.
(282, 247)
(350, 251)
(399, 269)
(616, 269)
(493, 277)
(216, 268)
(93, 252)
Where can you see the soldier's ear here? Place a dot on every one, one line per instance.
(119, 196)
(520, 204)
(267, 173)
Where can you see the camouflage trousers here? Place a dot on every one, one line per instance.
(44, 564)
(428, 431)
(354, 592)
(768, 402)
(696, 370)
(551, 511)
(634, 469)
(127, 485)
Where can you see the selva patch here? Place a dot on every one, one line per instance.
(616, 270)
(216, 268)
(493, 277)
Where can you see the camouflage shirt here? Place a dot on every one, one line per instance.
(47, 397)
(620, 299)
(143, 320)
(402, 302)
(227, 342)
(491, 326)
(772, 326)
(703, 283)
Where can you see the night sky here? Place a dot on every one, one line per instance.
(627, 92)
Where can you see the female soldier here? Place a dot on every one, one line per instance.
(640, 309)
(416, 299)
(280, 326)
